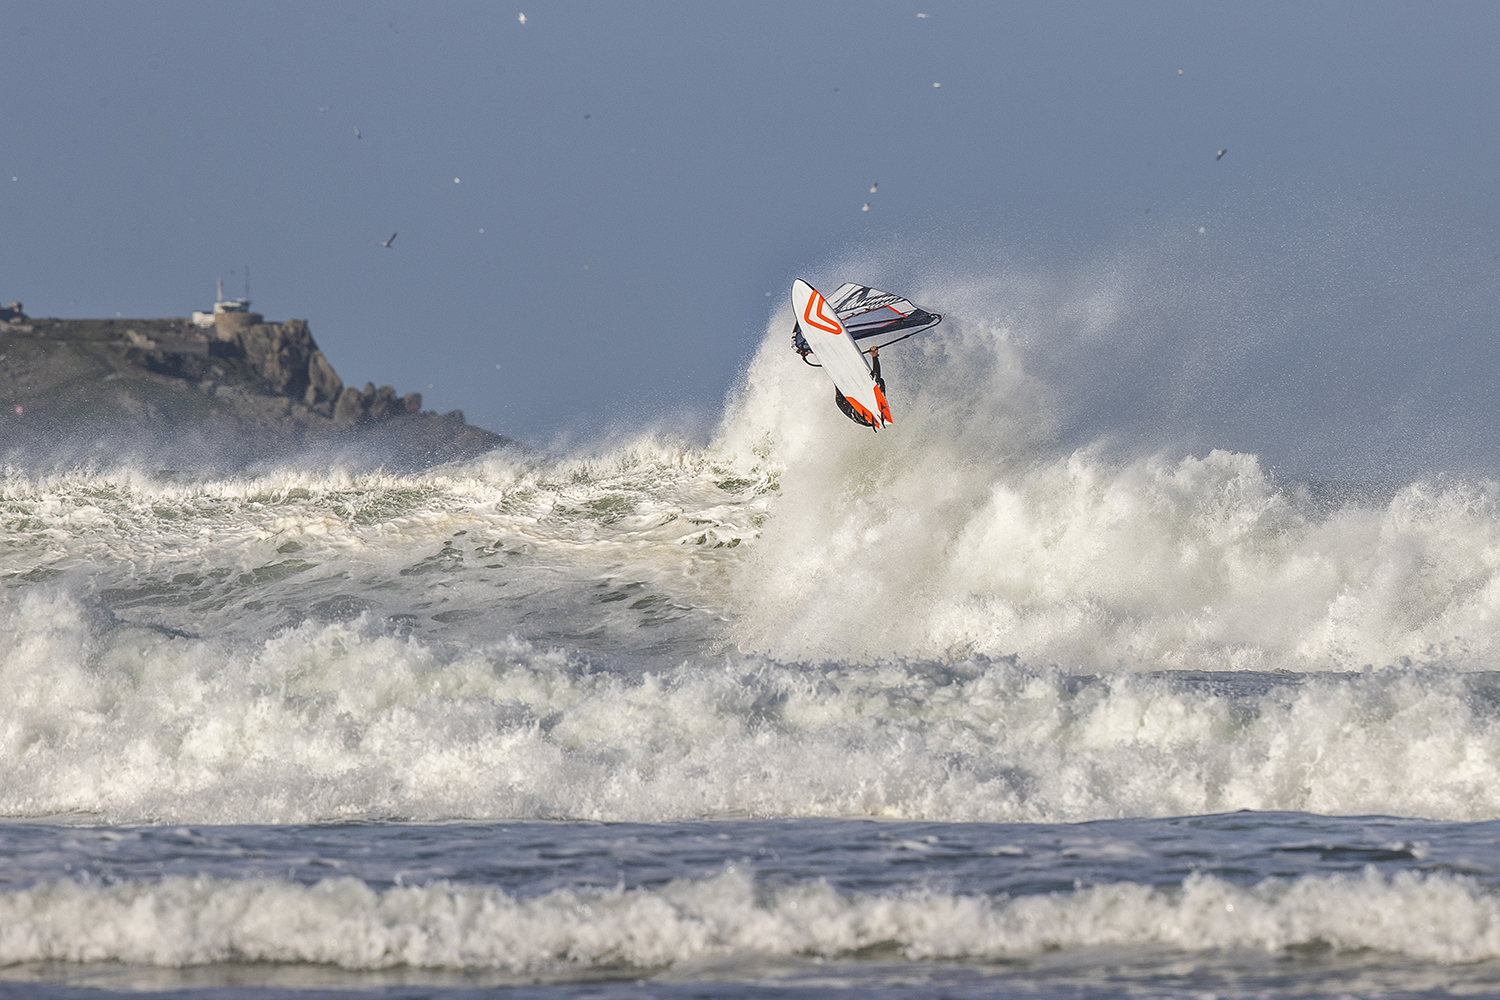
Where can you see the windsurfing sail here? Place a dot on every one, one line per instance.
(871, 317)
(875, 318)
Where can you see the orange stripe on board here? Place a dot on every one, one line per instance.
(822, 322)
(867, 416)
(885, 411)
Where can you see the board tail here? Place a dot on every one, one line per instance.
(885, 410)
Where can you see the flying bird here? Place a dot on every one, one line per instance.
(866, 208)
(523, 18)
(1221, 154)
(357, 135)
(873, 186)
(387, 243)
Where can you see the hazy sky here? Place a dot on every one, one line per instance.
(592, 205)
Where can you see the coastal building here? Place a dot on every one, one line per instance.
(227, 316)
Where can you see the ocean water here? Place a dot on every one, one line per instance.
(963, 708)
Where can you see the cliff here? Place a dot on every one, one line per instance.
(245, 392)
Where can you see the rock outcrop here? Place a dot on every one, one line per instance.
(256, 388)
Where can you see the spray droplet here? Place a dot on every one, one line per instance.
(455, 180)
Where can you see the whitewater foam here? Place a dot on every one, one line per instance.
(952, 611)
(346, 720)
(963, 531)
(180, 921)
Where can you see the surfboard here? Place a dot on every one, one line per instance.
(840, 357)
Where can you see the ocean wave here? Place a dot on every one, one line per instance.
(180, 921)
(967, 529)
(347, 720)
(963, 531)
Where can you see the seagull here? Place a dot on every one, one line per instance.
(387, 243)
(866, 208)
(523, 18)
(1221, 154)
(873, 186)
(357, 135)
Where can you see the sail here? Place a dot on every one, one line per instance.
(875, 318)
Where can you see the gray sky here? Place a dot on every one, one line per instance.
(634, 178)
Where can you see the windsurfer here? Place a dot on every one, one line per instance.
(845, 329)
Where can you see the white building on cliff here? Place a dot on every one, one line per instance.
(236, 313)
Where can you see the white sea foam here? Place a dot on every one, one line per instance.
(963, 530)
(330, 721)
(799, 618)
(194, 921)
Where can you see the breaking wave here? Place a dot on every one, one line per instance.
(973, 620)
(347, 720)
(180, 921)
(964, 530)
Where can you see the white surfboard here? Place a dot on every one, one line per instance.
(837, 352)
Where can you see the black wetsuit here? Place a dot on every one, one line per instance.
(843, 404)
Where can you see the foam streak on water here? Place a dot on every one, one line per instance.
(874, 904)
(179, 921)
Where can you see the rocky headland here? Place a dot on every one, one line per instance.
(240, 390)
